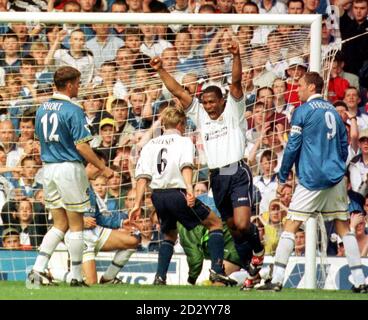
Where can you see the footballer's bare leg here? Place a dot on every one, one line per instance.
(76, 245)
(126, 243)
(49, 243)
(352, 254)
(283, 251)
(120, 240)
(89, 271)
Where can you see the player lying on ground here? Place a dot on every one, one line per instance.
(101, 234)
(167, 162)
(195, 245)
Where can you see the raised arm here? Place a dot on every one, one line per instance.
(341, 4)
(236, 89)
(171, 84)
(56, 45)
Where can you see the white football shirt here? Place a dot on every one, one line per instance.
(223, 139)
(162, 160)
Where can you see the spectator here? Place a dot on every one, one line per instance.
(119, 6)
(350, 77)
(123, 74)
(24, 38)
(7, 137)
(286, 195)
(299, 249)
(133, 42)
(281, 107)
(187, 60)
(269, 6)
(267, 181)
(295, 6)
(151, 235)
(38, 51)
(310, 6)
(28, 5)
(352, 129)
(151, 45)
(276, 62)
(258, 59)
(119, 111)
(27, 183)
(273, 225)
(351, 27)
(216, 75)
(92, 105)
(106, 78)
(140, 112)
(260, 33)
(358, 173)
(295, 71)
(198, 40)
(352, 100)
(104, 45)
(31, 234)
(225, 6)
(357, 223)
(11, 239)
(135, 6)
(337, 85)
(108, 144)
(77, 57)
(11, 60)
(238, 5)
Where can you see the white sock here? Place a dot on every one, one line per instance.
(50, 241)
(353, 256)
(283, 252)
(120, 259)
(62, 275)
(75, 247)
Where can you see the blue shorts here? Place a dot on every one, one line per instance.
(232, 187)
(171, 207)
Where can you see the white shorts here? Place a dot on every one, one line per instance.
(94, 240)
(332, 203)
(66, 186)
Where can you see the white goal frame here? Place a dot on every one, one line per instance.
(312, 20)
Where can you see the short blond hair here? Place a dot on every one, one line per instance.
(171, 117)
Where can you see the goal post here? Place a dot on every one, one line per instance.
(313, 21)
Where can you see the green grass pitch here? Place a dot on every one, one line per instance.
(17, 290)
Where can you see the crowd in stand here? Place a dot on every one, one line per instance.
(122, 98)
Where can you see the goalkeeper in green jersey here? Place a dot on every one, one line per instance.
(195, 245)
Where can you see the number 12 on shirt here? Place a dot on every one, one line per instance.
(54, 122)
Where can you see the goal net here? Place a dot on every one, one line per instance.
(122, 97)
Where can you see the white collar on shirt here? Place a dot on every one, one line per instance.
(314, 96)
(61, 96)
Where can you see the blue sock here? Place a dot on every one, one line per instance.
(216, 250)
(164, 256)
(245, 253)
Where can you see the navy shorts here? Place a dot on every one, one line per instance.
(232, 187)
(171, 207)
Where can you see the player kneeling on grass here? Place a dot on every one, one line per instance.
(167, 162)
(104, 232)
